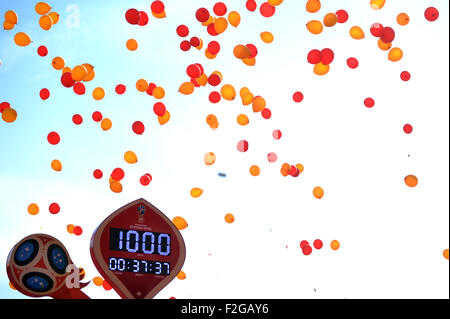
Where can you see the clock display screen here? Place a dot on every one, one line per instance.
(139, 266)
(143, 242)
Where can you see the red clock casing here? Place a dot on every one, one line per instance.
(140, 216)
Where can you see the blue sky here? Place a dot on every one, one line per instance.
(358, 156)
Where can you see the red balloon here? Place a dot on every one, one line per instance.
(407, 128)
(376, 29)
(132, 16)
(213, 47)
(151, 87)
(42, 50)
(307, 250)
(159, 109)
(53, 138)
(77, 230)
(117, 174)
(4, 106)
(352, 63)
(266, 113)
(267, 10)
(327, 56)
(253, 50)
(342, 16)
(211, 30)
(44, 94)
(77, 119)
(202, 15)
(405, 76)
(215, 97)
(97, 116)
(214, 80)
(182, 30)
(98, 174)
(79, 88)
(120, 89)
(54, 208)
(220, 9)
(251, 5)
(185, 45)
(157, 7)
(293, 171)
(138, 127)
(145, 179)
(298, 97)
(431, 14)
(314, 56)
(143, 20)
(195, 42)
(194, 71)
(369, 102)
(194, 81)
(318, 244)
(303, 244)
(387, 35)
(66, 80)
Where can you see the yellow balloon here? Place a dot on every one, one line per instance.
(8, 26)
(321, 69)
(106, 124)
(228, 92)
(56, 165)
(258, 104)
(330, 20)
(42, 8)
(357, 33)
(164, 119)
(267, 37)
(234, 18)
(22, 39)
(45, 22)
(79, 73)
(186, 88)
(314, 26)
(54, 16)
(396, 54)
(9, 115)
(220, 25)
(130, 157)
(98, 93)
(377, 4)
(11, 17)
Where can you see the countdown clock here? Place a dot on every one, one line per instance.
(138, 250)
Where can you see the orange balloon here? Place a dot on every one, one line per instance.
(321, 69)
(318, 192)
(330, 20)
(266, 36)
(234, 18)
(377, 4)
(130, 157)
(312, 6)
(314, 26)
(196, 192)
(98, 281)
(106, 124)
(58, 63)
(357, 33)
(411, 181)
(45, 22)
(70, 228)
(242, 119)
(159, 93)
(285, 169)
(181, 275)
(180, 223)
(132, 45)
(395, 54)
(11, 17)
(384, 46)
(247, 99)
(116, 186)
(228, 92)
(243, 91)
(164, 119)
(9, 115)
(186, 88)
(202, 80)
(335, 244)
(33, 209)
(56, 165)
(22, 39)
(79, 73)
(142, 85)
(300, 167)
(42, 8)
(210, 158)
(249, 61)
(8, 26)
(54, 16)
(220, 25)
(241, 52)
(90, 72)
(403, 19)
(258, 104)
(98, 93)
(209, 55)
(445, 254)
(229, 218)
(255, 170)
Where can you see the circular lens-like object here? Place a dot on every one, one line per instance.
(37, 282)
(26, 252)
(57, 259)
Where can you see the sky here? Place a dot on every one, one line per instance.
(392, 236)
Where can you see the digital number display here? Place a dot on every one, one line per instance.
(135, 241)
(139, 266)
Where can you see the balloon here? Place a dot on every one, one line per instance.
(241, 51)
(335, 244)
(275, 2)
(106, 124)
(202, 15)
(258, 104)
(402, 19)
(11, 17)
(97, 116)
(116, 186)
(159, 109)
(79, 88)
(445, 253)
(242, 119)
(195, 42)
(54, 208)
(157, 7)
(405, 76)
(284, 169)
(117, 174)
(22, 39)
(247, 99)
(272, 157)
(249, 61)
(234, 18)
(130, 157)
(321, 69)
(98, 93)
(132, 16)
(158, 93)
(255, 170)
(266, 37)
(44, 94)
(142, 85)
(45, 22)
(387, 35)
(314, 26)
(42, 8)
(357, 33)
(369, 102)
(186, 88)
(120, 89)
(181, 275)
(79, 73)
(210, 158)
(407, 128)
(132, 45)
(395, 54)
(327, 56)
(313, 6)
(70, 228)
(180, 223)
(211, 120)
(145, 179)
(314, 56)
(298, 97)
(384, 46)
(220, 9)
(377, 4)
(229, 218)
(66, 80)
(220, 25)
(194, 70)
(151, 87)
(98, 281)
(9, 115)
(56, 165)
(277, 134)
(54, 16)
(42, 51)
(352, 63)
(215, 97)
(251, 5)
(182, 31)
(330, 20)
(253, 50)
(53, 138)
(242, 146)
(4, 106)
(307, 250)
(213, 47)
(77, 119)
(342, 16)
(58, 63)
(376, 29)
(8, 26)
(267, 10)
(214, 80)
(300, 168)
(411, 181)
(228, 92)
(161, 15)
(431, 14)
(164, 119)
(266, 113)
(318, 192)
(33, 209)
(196, 192)
(138, 127)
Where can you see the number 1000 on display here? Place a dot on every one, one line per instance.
(135, 241)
